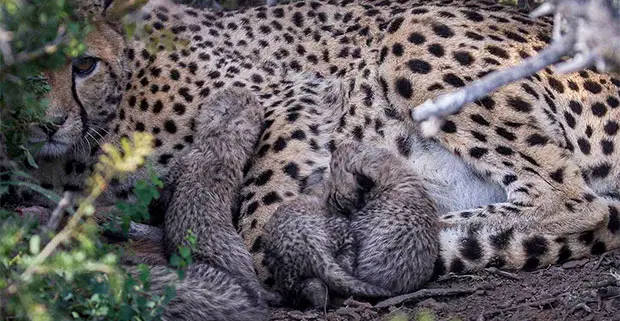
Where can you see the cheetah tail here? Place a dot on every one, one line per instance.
(470, 249)
(340, 281)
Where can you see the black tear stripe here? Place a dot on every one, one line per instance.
(83, 113)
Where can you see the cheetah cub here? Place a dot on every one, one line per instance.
(369, 230)
(203, 186)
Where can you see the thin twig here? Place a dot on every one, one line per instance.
(538, 303)
(508, 275)
(139, 231)
(426, 293)
(59, 211)
(48, 48)
(63, 235)
(581, 305)
(451, 103)
(586, 30)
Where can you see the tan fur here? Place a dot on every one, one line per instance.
(368, 230)
(557, 163)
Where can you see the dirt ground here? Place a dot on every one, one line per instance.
(578, 290)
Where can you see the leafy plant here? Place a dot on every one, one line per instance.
(30, 31)
(74, 273)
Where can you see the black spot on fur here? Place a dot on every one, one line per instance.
(497, 51)
(614, 220)
(170, 126)
(587, 237)
(463, 57)
(477, 152)
(564, 254)
(479, 120)
(457, 266)
(537, 139)
(440, 267)
(395, 25)
(443, 31)
(556, 84)
(471, 249)
(599, 109)
(598, 248)
(505, 133)
(436, 50)
(453, 80)
(607, 146)
(519, 104)
(271, 197)
(611, 127)
(592, 87)
(257, 245)
(403, 87)
(292, 170)
(448, 127)
(263, 178)
(509, 179)
(584, 145)
(601, 171)
(419, 66)
(558, 175)
(531, 264)
(416, 38)
(279, 144)
(501, 240)
(473, 16)
(404, 146)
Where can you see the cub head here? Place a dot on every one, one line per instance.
(85, 95)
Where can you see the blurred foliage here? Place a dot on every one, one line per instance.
(74, 274)
(70, 274)
(28, 31)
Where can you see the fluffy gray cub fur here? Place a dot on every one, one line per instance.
(370, 230)
(205, 182)
(206, 294)
(393, 220)
(303, 243)
(203, 185)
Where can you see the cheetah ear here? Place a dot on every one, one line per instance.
(117, 13)
(115, 10)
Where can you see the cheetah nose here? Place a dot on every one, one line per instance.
(53, 125)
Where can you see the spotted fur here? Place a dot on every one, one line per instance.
(368, 230)
(542, 149)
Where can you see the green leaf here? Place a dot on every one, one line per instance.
(185, 252)
(35, 244)
(29, 157)
(3, 190)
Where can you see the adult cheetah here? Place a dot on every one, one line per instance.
(541, 151)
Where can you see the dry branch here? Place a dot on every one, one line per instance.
(426, 293)
(587, 30)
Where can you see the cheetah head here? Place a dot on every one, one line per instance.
(84, 97)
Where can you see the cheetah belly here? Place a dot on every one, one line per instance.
(452, 183)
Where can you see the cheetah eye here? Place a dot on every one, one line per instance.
(83, 66)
